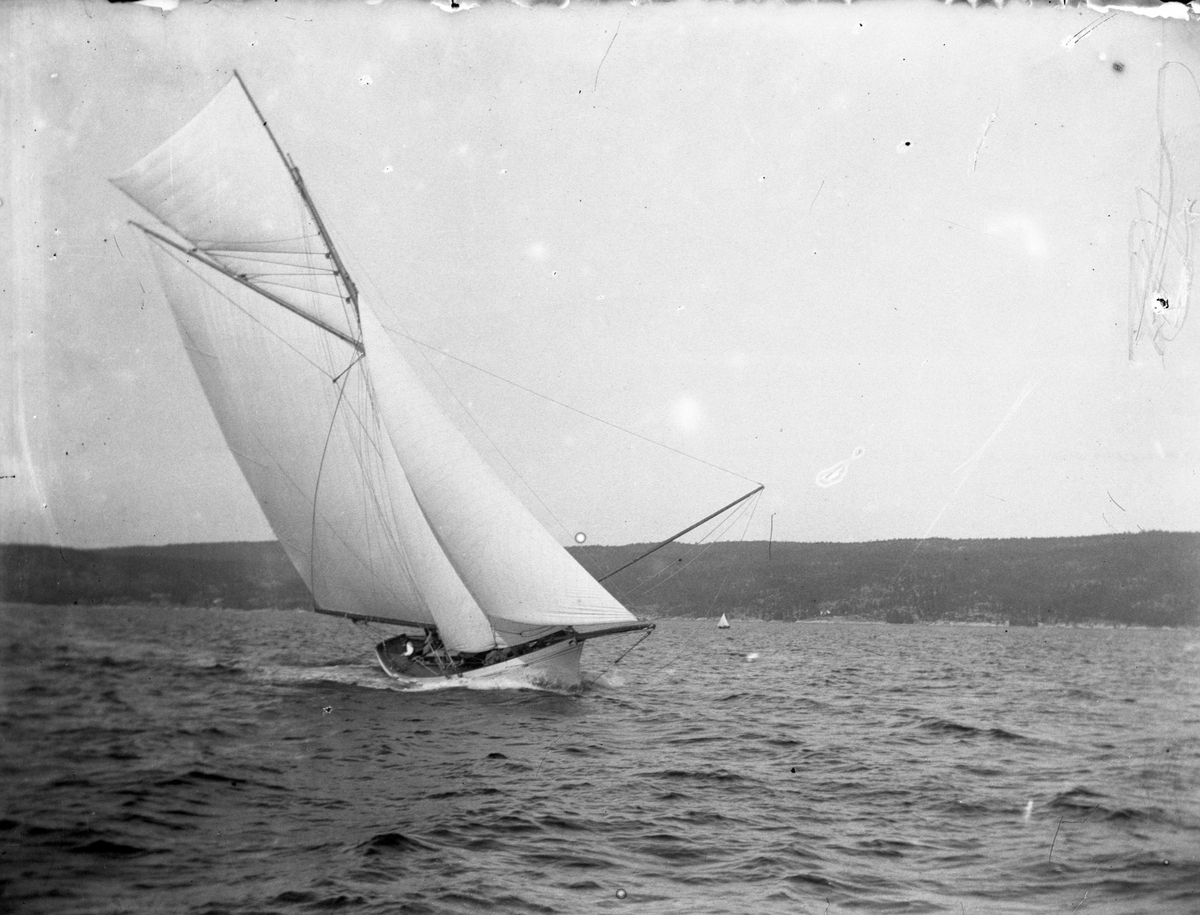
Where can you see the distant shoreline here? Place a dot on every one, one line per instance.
(1149, 579)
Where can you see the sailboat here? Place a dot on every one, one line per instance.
(386, 510)
(723, 623)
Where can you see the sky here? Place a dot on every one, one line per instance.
(877, 257)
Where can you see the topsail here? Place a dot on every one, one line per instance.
(221, 183)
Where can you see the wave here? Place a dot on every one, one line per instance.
(956, 729)
(1088, 804)
(195, 777)
(109, 849)
(393, 842)
(704, 775)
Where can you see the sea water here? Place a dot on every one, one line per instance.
(208, 761)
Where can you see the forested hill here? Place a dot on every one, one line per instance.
(1150, 579)
(246, 575)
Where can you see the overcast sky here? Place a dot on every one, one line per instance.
(876, 257)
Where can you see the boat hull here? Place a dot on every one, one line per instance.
(555, 665)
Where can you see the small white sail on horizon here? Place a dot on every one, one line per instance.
(723, 623)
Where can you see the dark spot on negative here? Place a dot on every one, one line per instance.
(1118, 66)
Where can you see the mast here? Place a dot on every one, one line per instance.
(339, 267)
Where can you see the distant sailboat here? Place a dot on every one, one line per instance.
(383, 506)
(724, 623)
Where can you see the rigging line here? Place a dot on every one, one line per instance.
(369, 490)
(376, 482)
(353, 362)
(672, 539)
(571, 408)
(246, 249)
(207, 282)
(336, 295)
(312, 561)
(333, 532)
(362, 421)
(697, 551)
(729, 568)
(251, 244)
(495, 447)
(651, 441)
(197, 255)
(376, 491)
(503, 456)
(295, 282)
(297, 270)
(644, 588)
(620, 658)
(310, 289)
(280, 260)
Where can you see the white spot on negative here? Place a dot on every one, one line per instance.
(1022, 230)
(687, 414)
(831, 476)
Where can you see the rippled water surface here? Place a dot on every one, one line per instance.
(223, 761)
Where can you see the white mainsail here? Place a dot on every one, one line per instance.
(315, 454)
(383, 506)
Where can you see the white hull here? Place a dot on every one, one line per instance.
(555, 665)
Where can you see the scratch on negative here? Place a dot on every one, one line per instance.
(969, 463)
(815, 196)
(596, 81)
(1055, 839)
(987, 125)
(1029, 389)
(1074, 39)
(1162, 240)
